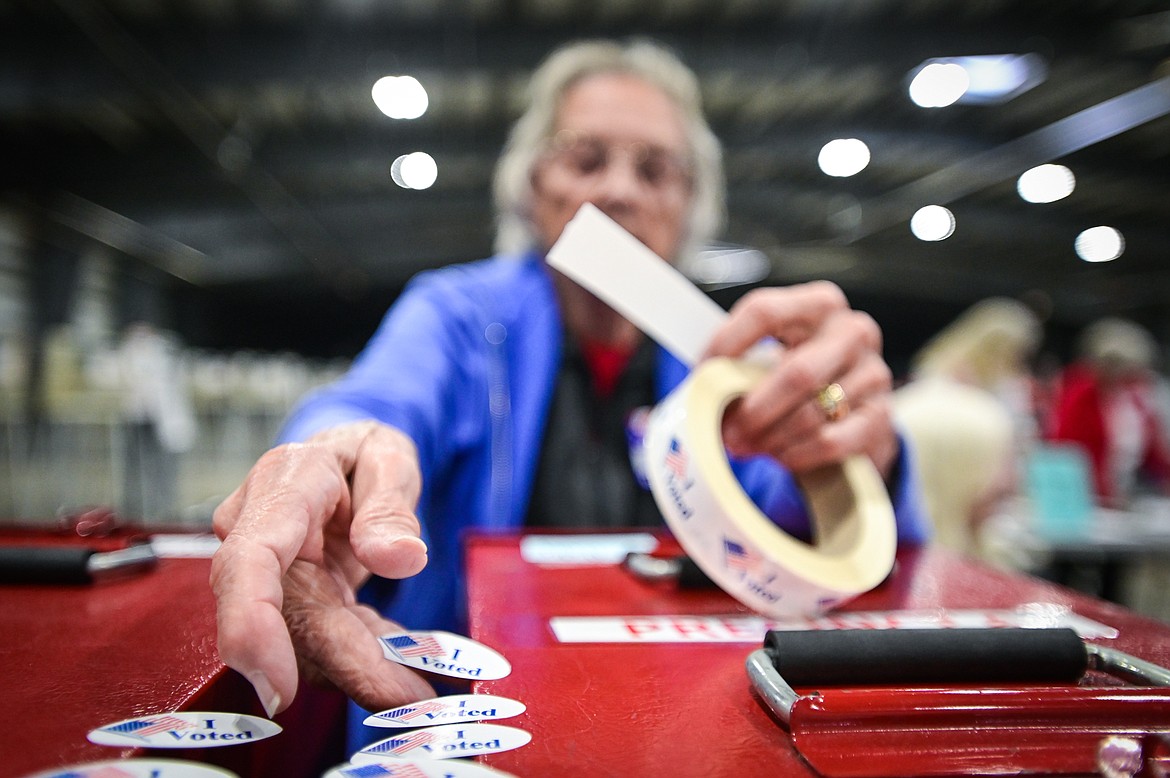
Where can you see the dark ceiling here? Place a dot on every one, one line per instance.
(231, 146)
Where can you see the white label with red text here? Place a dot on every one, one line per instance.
(751, 629)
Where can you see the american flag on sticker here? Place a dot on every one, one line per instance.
(676, 459)
(377, 770)
(144, 728)
(412, 711)
(406, 646)
(108, 771)
(736, 557)
(403, 743)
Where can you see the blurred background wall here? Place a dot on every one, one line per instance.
(207, 205)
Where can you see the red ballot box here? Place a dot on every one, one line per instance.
(78, 657)
(660, 688)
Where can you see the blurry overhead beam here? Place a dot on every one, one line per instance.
(1145, 32)
(142, 71)
(339, 51)
(861, 269)
(132, 239)
(1057, 140)
(307, 237)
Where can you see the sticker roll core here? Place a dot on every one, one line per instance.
(735, 544)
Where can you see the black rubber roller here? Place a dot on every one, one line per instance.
(44, 564)
(853, 657)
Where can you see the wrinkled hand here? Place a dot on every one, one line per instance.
(825, 341)
(310, 523)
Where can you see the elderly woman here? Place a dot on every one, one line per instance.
(494, 395)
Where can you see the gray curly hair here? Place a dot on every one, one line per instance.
(512, 187)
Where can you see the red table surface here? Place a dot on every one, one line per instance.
(678, 709)
(75, 658)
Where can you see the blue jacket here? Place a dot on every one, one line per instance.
(464, 363)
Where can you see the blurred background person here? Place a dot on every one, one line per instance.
(968, 412)
(1107, 403)
(990, 346)
(159, 420)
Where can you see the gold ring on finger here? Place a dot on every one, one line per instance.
(833, 402)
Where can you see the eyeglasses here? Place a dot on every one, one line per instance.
(587, 157)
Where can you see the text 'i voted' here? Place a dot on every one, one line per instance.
(445, 653)
(416, 768)
(449, 741)
(185, 730)
(447, 710)
(137, 768)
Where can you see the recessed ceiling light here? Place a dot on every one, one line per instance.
(1046, 183)
(992, 78)
(843, 157)
(1100, 244)
(932, 223)
(939, 84)
(400, 97)
(414, 171)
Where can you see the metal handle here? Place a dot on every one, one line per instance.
(775, 691)
(1126, 667)
(780, 696)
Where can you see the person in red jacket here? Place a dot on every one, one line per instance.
(1106, 403)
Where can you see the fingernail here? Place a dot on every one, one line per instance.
(272, 705)
(269, 698)
(420, 558)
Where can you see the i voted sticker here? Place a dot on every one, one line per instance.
(447, 710)
(449, 741)
(137, 768)
(416, 768)
(445, 653)
(185, 730)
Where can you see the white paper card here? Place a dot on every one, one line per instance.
(197, 546)
(584, 549)
(598, 254)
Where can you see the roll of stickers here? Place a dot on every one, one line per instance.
(733, 542)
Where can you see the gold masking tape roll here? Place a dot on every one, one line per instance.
(731, 540)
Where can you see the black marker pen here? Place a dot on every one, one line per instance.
(71, 564)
